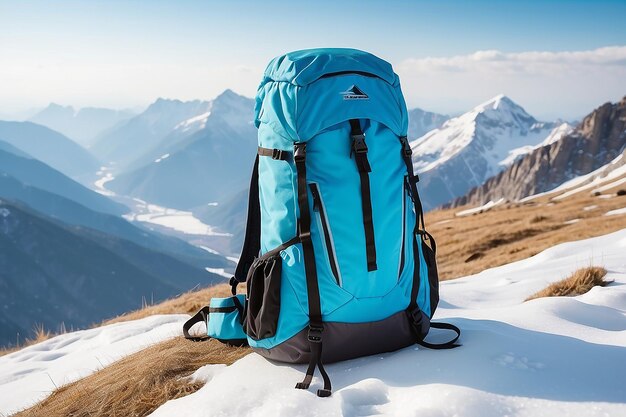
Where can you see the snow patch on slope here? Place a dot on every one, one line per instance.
(31, 374)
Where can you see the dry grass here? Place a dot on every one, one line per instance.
(187, 303)
(514, 231)
(581, 281)
(39, 335)
(137, 384)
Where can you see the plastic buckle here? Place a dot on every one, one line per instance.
(299, 152)
(315, 333)
(358, 144)
(278, 154)
(406, 148)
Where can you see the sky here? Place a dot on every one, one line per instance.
(555, 58)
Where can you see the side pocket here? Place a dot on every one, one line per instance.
(429, 247)
(225, 320)
(263, 309)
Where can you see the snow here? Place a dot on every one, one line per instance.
(572, 221)
(546, 357)
(196, 123)
(162, 157)
(615, 212)
(4, 212)
(105, 176)
(220, 271)
(602, 179)
(487, 206)
(591, 207)
(496, 128)
(179, 220)
(556, 134)
(29, 375)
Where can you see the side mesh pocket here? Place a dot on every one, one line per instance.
(263, 297)
(429, 248)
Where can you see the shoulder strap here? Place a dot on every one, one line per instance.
(252, 239)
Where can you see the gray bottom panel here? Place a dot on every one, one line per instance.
(344, 341)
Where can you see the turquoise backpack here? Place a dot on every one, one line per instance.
(336, 258)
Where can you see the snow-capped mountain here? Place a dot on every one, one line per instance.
(83, 125)
(132, 139)
(205, 166)
(470, 148)
(422, 122)
(595, 142)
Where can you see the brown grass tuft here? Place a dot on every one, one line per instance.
(581, 281)
(139, 383)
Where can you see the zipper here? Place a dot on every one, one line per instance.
(318, 208)
(362, 73)
(402, 246)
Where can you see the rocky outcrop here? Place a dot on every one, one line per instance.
(595, 142)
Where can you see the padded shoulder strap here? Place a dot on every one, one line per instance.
(252, 240)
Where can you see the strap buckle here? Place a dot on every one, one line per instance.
(406, 148)
(358, 144)
(278, 154)
(315, 333)
(299, 152)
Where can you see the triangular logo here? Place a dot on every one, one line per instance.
(354, 93)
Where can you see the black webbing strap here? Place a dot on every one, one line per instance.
(200, 316)
(277, 154)
(413, 179)
(359, 148)
(315, 311)
(252, 239)
(447, 345)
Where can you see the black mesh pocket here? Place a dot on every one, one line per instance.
(429, 248)
(263, 297)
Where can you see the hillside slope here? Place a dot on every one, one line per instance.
(51, 273)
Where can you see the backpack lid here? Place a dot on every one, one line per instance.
(306, 66)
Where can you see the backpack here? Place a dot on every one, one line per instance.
(336, 258)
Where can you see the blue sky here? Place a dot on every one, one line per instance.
(550, 56)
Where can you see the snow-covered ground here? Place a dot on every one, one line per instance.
(31, 374)
(546, 357)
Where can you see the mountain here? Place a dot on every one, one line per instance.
(228, 217)
(72, 213)
(595, 142)
(210, 165)
(131, 139)
(422, 122)
(50, 147)
(52, 273)
(37, 174)
(470, 148)
(83, 125)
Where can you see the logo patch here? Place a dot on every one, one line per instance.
(354, 93)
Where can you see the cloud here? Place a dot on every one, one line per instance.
(549, 84)
(532, 62)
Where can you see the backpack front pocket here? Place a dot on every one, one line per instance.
(263, 296)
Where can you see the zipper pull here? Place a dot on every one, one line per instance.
(316, 198)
